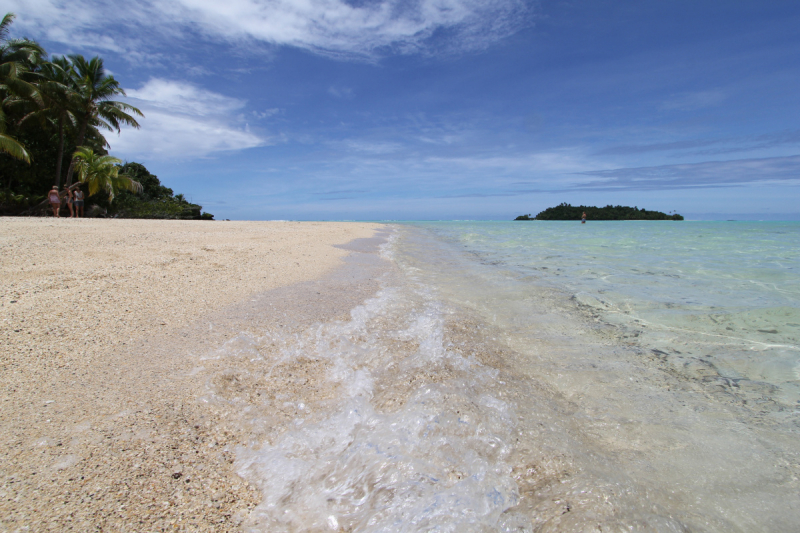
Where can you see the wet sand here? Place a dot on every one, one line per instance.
(109, 330)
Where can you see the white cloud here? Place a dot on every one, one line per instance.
(182, 120)
(325, 26)
(181, 97)
(77, 23)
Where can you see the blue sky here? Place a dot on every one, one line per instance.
(451, 109)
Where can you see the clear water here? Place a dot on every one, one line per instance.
(537, 377)
(728, 291)
(410, 433)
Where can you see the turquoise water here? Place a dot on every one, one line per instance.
(726, 289)
(665, 357)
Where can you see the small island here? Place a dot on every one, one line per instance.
(566, 211)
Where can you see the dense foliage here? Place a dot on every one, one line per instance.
(52, 114)
(566, 211)
(154, 201)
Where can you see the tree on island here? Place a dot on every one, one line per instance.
(565, 211)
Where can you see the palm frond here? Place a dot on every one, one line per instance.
(101, 173)
(123, 181)
(100, 123)
(23, 50)
(12, 147)
(5, 25)
(8, 70)
(19, 87)
(121, 107)
(92, 133)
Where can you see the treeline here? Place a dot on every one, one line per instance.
(153, 201)
(566, 211)
(53, 112)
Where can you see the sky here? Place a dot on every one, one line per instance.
(450, 109)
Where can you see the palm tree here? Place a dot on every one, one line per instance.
(94, 88)
(57, 89)
(16, 55)
(101, 172)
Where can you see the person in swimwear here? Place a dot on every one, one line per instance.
(55, 200)
(77, 199)
(69, 202)
(583, 218)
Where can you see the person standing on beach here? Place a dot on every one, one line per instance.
(55, 201)
(78, 201)
(583, 218)
(69, 203)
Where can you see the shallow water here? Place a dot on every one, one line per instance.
(728, 292)
(536, 377)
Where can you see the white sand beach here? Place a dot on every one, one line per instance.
(101, 427)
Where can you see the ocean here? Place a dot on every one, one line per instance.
(543, 376)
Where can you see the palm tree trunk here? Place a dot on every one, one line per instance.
(60, 151)
(81, 135)
(70, 171)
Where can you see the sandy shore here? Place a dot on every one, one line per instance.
(100, 425)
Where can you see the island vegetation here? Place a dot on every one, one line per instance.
(53, 112)
(566, 211)
(154, 200)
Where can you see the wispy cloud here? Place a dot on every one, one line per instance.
(726, 145)
(563, 161)
(183, 120)
(332, 27)
(710, 174)
(361, 28)
(84, 23)
(341, 92)
(370, 147)
(181, 97)
(760, 142)
(697, 175)
(658, 147)
(261, 115)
